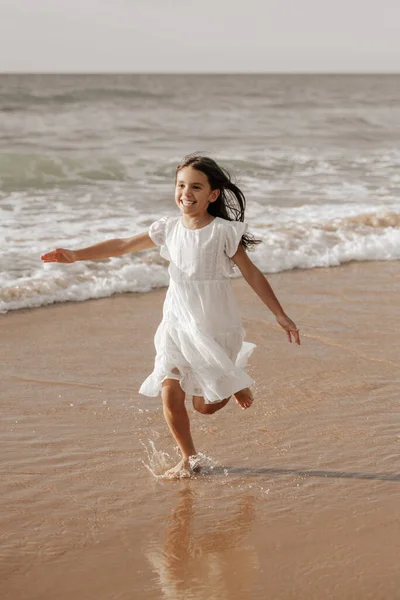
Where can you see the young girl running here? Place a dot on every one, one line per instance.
(201, 354)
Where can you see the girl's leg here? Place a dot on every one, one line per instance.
(202, 407)
(177, 418)
(244, 398)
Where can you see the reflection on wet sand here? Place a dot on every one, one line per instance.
(205, 555)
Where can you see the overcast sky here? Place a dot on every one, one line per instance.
(200, 35)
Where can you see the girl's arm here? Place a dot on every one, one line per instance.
(262, 288)
(106, 249)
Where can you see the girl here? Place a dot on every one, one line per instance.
(200, 348)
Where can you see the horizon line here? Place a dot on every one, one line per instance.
(341, 73)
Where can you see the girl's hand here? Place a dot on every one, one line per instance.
(61, 255)
(290, 328)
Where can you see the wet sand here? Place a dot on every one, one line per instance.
(298, 498)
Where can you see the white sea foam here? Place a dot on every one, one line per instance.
(77, 282)
(314, 245)
(293, 238)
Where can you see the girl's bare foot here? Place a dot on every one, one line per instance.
(185, 468)
(244, 398)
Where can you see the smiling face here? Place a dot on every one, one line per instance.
(193, 192)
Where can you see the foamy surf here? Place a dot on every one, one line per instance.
(296, 238)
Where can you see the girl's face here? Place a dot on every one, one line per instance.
(193, 192)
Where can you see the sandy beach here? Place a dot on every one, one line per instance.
(298, 497)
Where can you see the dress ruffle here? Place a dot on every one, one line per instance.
(205, 368)
(157, 232)
(235, 230)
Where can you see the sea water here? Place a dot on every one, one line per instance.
(89, 158)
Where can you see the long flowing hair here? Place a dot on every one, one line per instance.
(231, 203)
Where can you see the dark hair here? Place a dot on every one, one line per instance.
(231, 203)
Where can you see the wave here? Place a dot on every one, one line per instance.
(380, 220)
(291, 245)
(365, 237)
(21, 171)
(13, 101)
(79, 282)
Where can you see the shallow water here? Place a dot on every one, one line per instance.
(294, 506)
(298, 497)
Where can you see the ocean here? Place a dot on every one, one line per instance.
(297, 497)
(85, 158)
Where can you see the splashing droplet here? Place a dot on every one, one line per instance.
(157, 461)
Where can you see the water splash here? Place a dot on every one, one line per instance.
(158, 462)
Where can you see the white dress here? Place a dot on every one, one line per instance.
(201, 333)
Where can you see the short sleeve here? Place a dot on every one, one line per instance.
(157, 231)
(235, 230)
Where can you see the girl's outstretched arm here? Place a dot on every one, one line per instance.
(262, 288)
(106, 249)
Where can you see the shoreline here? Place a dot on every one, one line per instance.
(160, 289)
